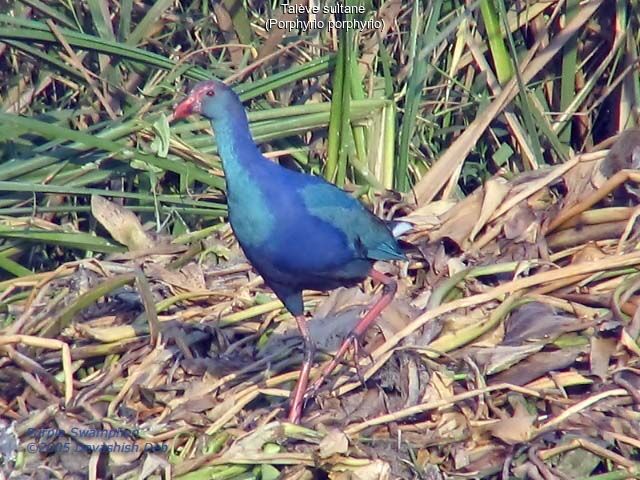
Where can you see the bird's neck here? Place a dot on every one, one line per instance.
(236, 147)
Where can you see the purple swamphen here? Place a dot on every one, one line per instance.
(298, 231)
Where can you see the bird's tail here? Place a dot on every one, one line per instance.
(398, 228)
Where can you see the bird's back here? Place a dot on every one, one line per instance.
(299, 230)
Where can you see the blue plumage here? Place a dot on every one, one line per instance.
(298, 231)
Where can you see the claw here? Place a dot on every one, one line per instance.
(390, 288)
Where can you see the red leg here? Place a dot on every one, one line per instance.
(389, 291)
(297, 395)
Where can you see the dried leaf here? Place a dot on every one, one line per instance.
(431, 210)
(501, 357)
(363, 405)
(458, 222)
(629, 343)
(153, 464)
(623, 153)
(496, 189)
(122, 224)
(253, 442)
(578, 182)
(189, 278)
(521, 224)
(335, 441)
(440, 387)
(537, 365)
(538, 321)
(395, 317)
(601, 351)
(376, 470)
(515, 429)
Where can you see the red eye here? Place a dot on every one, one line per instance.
(210, 93)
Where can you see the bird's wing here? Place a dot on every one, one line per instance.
(366, 231)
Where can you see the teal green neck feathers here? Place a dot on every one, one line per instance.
(235, 145)
(250, 218)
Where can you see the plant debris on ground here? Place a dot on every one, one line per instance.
(136, 340)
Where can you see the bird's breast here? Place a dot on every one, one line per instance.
(251, 218)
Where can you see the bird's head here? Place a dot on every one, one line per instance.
(211, 99)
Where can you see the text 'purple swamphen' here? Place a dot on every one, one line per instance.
(298, 231)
